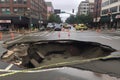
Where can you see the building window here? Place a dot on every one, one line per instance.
(113, 9)
(4, 1)
(104, 11)
(15, 10)
(113, 1)
(5, 10)
(105, 3)
(20, 1)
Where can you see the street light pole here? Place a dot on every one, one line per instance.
(96, 14)
(39, 13)
(30, 23)
(110, 19)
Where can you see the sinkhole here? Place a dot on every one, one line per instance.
(46, 54)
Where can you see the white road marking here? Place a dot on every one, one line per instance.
(48, 34)
(116, 37)
(40, 34)
(1, 42)
(33, 71)
(106, 37)
(45, 33)
(8, 68)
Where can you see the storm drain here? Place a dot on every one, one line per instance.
(47, 54)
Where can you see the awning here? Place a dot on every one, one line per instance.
(117, 16)
(105, 19)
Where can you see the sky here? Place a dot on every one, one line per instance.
(65, 5)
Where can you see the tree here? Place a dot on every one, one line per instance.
(86, 19)
(54, 18)
(71, 20)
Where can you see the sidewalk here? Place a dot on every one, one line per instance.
(8, 35)
(11, 35)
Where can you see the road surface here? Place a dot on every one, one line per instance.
(106, 38)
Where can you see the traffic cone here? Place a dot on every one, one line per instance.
(93, 29)
(12, 36)
(0, 35)
(68, 34)
(81, 30)
(98, 30)
(59, 34)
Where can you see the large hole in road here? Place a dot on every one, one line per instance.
(59, 53)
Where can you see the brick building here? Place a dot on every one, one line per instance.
(22, 13)
(97, 10)
(50, 9)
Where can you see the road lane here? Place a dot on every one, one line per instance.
(65, 73)
(82, 36)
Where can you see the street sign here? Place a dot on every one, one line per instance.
(57, 11)
(5, 21)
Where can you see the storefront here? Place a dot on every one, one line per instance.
(118, 20)
(112, 21)
(17, 22)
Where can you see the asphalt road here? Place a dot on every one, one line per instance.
(108, 38)
(59, 74)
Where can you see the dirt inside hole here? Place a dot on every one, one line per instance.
(46, 53)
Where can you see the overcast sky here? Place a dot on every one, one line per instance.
(66, 5)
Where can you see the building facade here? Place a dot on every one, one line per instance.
(50, 9)
(85, 8)
(97, 11)
(22, 13)
(110, 12)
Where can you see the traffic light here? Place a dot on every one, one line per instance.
(57, 11)
(72, 10)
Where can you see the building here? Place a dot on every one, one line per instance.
(97, 11)
(85, 8)
(91, 1)
(50, 9)
(22, 13)
(110, 12)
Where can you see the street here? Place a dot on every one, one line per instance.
(106, 38)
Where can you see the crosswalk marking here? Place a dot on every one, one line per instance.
(1, 42)
(9, 66)
(111, 37)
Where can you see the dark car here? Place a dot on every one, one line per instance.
(57, 27)
(4, 29)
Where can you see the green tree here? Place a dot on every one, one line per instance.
(79, 19)
(71, 19)
(54, 18)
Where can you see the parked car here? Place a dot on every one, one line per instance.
(57, 27)
(42, 28)
(81, 27)
(50, 26)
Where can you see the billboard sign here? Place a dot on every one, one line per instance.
(5, 21)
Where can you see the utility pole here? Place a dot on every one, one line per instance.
(30, 15)
(96, 14)
(39, 14)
